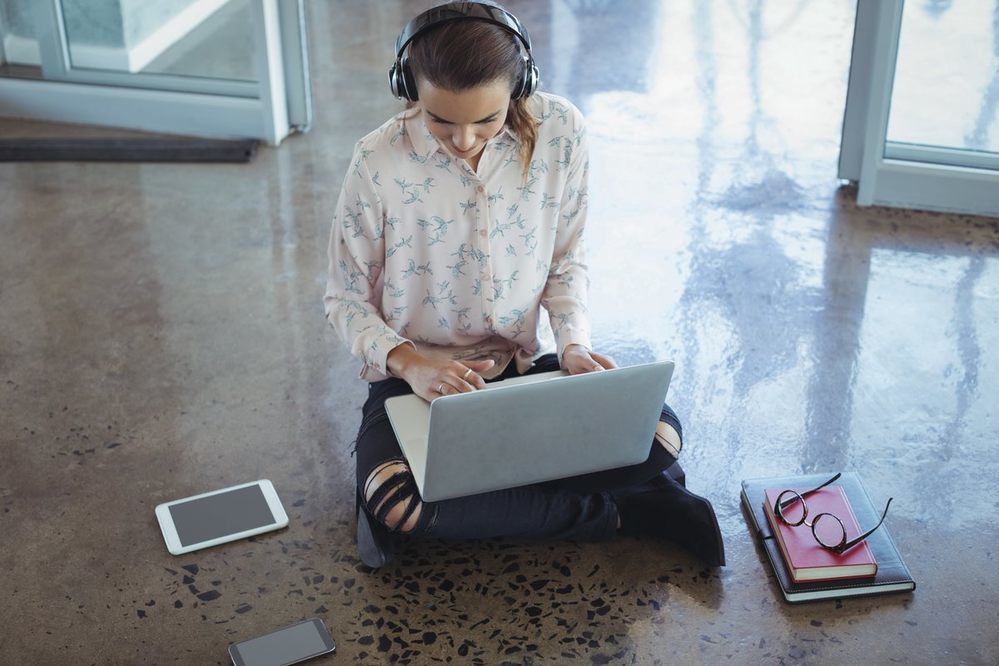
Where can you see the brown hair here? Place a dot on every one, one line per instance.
(465, 54)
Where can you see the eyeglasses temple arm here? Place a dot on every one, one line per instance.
(813, 490)
(853, 542)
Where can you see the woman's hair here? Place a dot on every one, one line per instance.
(465, 54)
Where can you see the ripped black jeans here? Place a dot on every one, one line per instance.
(579, 508)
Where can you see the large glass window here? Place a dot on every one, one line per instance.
(207, 39)
(219, 68)
(946, 88)
(921, 128)
(18, 40)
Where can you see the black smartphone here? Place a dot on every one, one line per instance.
(290, 645)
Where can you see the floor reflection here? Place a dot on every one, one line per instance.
(757, 282)
(180, 307)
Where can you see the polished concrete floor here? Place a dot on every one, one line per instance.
(162, 334)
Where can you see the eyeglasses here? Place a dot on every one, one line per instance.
(827, 529)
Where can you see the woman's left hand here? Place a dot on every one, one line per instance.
(577, 359)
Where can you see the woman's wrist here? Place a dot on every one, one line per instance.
(400, 359)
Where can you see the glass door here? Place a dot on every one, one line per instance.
(219, 68)
(921, 127)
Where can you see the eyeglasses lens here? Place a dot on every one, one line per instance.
(792, 507)
(828, 530)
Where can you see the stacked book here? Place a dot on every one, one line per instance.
(805, 570)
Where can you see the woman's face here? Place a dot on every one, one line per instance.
(463, 121)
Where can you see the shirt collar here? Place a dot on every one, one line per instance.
(426, 144)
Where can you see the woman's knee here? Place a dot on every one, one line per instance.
(390, 495)
(669, 433)
(669, 438)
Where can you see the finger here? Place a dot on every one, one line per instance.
(605, 361)
(470, 372)
(477, 368)
(466, 372)
(462, 386)
(588, 363)
(461, 379)
(475, 381)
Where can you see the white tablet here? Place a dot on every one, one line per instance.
(220, 516)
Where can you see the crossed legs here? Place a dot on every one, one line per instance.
(388, 490)
(391, 496)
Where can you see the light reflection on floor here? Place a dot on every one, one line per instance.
(174, 312)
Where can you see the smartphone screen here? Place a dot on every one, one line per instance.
(220, 515)
(285, 646)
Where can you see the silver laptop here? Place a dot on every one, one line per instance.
(530, 429)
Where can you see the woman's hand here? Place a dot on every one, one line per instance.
(577, 359)
(431, 378)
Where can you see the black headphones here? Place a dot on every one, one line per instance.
(401, 79)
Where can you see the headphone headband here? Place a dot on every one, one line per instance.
(401, 80)
(462, 11)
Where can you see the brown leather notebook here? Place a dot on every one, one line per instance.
(892, 575)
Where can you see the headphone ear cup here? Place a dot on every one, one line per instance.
(529, 81)
(393, 77)
(408, 80)
(401, 80)
(535, 81)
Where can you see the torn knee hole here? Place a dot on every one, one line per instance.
(669, 438)
(380, 474)
(390, 496)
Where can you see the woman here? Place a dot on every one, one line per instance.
(459, 220)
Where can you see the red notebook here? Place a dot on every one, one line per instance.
(808, 561)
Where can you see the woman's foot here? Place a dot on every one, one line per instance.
(671, 512)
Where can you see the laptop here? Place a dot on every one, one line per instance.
(530, 429)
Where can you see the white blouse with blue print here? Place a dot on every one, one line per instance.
(460, 263)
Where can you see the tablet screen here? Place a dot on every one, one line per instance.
(220, 515)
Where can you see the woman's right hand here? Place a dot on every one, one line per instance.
(432, 378)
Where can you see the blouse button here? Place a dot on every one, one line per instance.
(480, 189)
(482, 233)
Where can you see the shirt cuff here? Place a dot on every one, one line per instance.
(572, 339)
(376, 359)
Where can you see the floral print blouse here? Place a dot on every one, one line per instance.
(462, 264)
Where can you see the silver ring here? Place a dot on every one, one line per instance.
(467, 373)
(440, 389)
